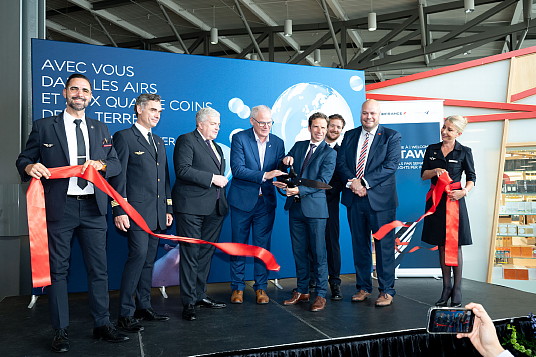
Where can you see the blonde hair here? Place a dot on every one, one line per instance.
(458, 121)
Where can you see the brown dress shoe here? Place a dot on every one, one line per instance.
(237, 297)
(262, 298)
(319, 304)
(296, 298)
(361, 295)
(384, 299)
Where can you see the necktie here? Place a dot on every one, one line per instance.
(212, 154)
(80, 150)
(151, 143)
(307, 157)
(360, 169)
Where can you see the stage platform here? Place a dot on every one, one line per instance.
(270, 329)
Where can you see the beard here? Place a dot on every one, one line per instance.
(77, 106)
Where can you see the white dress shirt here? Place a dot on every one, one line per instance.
(70, 132)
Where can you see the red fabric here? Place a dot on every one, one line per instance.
(444, 184)
(38, 228)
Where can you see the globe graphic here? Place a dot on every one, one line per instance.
(293, 107)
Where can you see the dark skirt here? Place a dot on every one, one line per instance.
(433, 231)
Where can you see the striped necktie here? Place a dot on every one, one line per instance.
(360, 168)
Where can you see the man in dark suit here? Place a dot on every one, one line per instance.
(200, 206)
(335, 126)
(255, 155)
(308, 211)
(144, 182)
(74, 206)
(367, 160)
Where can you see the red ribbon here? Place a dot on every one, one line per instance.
(444, 184)
(38, 227)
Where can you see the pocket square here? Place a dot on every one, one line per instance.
(48, 145)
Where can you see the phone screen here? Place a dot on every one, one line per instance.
(450, 320)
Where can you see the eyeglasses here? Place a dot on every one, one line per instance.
(74, 89)
(263, 124)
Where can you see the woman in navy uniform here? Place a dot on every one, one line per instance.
(451, 156)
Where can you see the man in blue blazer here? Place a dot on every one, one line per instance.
(74, 206)
(255, 155)
(200, 206)
(308, 211)
(144, 182)
(367, 161)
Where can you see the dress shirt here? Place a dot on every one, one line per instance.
(372, 133)
(70, 132)
(262, 152)
(144, 132)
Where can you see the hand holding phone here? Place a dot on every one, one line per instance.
(450, 320)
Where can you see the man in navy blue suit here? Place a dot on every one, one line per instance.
(74, 206)
(144, 182)
(367, 161)
(308, 211)
(255, 154)
(335, 126)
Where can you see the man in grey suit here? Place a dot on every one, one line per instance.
(200, 206)
(144, 182)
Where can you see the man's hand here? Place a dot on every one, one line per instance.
(37, 171)
(219, 180)
(293, 191)
(357, 188)
(122, 222)
(288, 160)
(169, 219)
(274, 173)
(96, 164)
(280, 184)
(484, 336)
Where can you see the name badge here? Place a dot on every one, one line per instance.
(454, 161)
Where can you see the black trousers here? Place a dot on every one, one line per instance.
(82, 219)
(195, 259)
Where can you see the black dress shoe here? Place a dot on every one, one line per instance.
(109, 333)
(60, 343)
(455, 304)
(336, 293)
(150, 315)
(210, 303)
(129, 324)
(188, 313)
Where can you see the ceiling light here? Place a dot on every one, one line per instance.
(214, 35)
(469, 5)
(372, 21)
(288, 28)
(316, 56)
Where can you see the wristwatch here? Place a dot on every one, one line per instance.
(103, 163)
(363, 183)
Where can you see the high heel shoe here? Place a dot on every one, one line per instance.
(441, 303)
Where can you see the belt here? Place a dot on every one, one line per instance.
(81, 197)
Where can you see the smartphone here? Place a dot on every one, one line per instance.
(450, 320)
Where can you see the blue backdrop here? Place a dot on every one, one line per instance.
(187, 83)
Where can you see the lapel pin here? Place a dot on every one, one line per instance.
(139, 152)
(48, 145)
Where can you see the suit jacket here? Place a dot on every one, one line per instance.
(320, 168)
(382, 163)
(144, 178)
(334, 194)
(47, 144)
(247, 173)
(193, 192)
